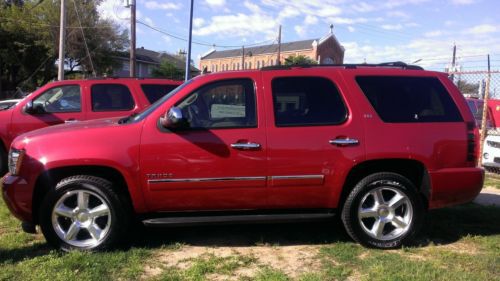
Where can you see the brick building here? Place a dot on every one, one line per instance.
(326, 50)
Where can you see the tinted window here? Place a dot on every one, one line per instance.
(59, 99)
(227, 104)
(154, 92)
(409, 99)
(306, 101)
(111, 97)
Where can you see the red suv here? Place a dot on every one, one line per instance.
(76, 100)
(376, 144)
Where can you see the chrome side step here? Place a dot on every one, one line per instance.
(235, 219)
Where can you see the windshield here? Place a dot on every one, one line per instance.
(159, 102)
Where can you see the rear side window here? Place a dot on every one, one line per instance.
(111, 97)
(307, 101)
(409, 99)
(154, 92)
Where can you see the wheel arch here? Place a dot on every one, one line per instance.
(414, 170)
(51, 177)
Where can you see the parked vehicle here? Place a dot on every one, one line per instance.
(76, 100)
(376, 144)
(476, 106)
(6, 104)
(491, 153)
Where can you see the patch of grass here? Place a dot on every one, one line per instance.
(268, 274)
(492, 180)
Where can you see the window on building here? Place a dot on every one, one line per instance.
(271, 62)
(307, 101)
(258, 64)
(238, 66)
(409, 99)
(249, 65)
(216, 68)
(263, 63)
(59, 99)
(111, 97)
(222, 104)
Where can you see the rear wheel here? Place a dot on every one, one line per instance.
(83, 213)
(383, 210)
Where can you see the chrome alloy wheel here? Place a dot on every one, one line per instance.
(81, 218)
(385, 213)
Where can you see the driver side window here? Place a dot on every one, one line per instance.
(226, 104)
(59, 99)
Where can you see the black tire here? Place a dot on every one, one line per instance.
(399, 224)
(99, 193)
(3, 161)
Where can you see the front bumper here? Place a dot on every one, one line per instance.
(18, 195)
(455, 186)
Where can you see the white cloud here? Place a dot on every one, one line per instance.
(252, 7)
(288, 12)
(153, 5)
(482, 29)
(239, 25)
(300, 30)
(398, 14)
(110, 9)
(311, 20)
(435, 33)
(363, 7)
(462, 2)
(198, 22)
(351, 29)
(392, 26)
(216, 3)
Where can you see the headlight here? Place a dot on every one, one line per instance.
(15, 159)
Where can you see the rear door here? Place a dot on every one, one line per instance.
(314, 136)
(110, 99)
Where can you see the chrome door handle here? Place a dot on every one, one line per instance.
(344, 142)
(71, 120)
(245, 146)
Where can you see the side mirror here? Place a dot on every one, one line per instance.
(28, 108)
(173, 119)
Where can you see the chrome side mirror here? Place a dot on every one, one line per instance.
(173, 119)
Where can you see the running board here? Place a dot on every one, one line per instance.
(234, 219)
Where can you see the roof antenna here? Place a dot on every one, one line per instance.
(331, 28)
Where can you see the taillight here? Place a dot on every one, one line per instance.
(472, 143)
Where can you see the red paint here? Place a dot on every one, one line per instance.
(142, 149)
(15, 121)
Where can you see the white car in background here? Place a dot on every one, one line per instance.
(6, 104)
(491, 153)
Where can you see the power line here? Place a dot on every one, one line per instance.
(198, 42)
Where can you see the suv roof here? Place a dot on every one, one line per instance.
(397, 64)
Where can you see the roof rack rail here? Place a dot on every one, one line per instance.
(396, 64)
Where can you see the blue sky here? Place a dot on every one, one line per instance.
(371, 31)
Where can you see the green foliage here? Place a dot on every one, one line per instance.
(30, 40)
(299, 60)
(467, 88)
(168, 70)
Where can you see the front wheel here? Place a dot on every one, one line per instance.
(83, 213)
(383, 210)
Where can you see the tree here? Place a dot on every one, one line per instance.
(299, 60)
(467, 88)
(29, 41)
(168, 70)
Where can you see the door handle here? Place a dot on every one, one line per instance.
(245, 146)
(70, 120)
(344, 142)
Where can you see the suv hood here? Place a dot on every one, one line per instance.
(76, 126)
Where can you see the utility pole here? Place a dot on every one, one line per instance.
(485, 113)
(188, 58)
(132, 6)
(278, 61)
(62, 39)
(453, 62)
(243, 57)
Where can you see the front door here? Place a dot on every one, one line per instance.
(57, 105)
(219, 162)
(314, 137)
